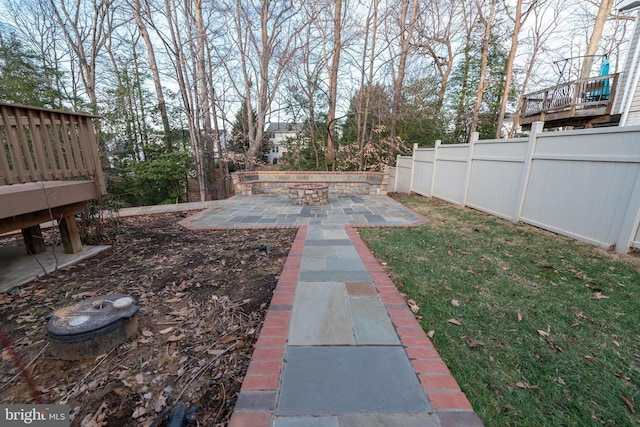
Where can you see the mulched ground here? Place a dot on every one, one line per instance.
(202, 296)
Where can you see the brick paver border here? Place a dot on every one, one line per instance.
(449, 402)
(265, 370)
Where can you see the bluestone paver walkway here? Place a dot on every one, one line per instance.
(339, 347)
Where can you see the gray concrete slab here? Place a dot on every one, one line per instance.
(306, 422)
(349, 380)
(371, 323)
(18, 268)
(321, 315)
(393, 420)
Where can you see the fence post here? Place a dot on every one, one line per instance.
(413, 165)
(467, 178)
(433, 171)
(536, 128)
(631, 221)
(395, 181)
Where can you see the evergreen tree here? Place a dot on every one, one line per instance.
(22, 79)
(463, 86)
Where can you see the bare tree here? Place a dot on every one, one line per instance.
(486, 18)
(405, 36)
(153, 65)
(438, 29)
(594, 41)
(84, 25)
(333, 83)
(546, 17)
(264, 39)
(519, 17)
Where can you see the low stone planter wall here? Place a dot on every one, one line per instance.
(277, 182)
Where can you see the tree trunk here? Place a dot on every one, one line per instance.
(155, 74)
(596, 35)
(333, 85)
(482, 84)
(405, 37)
(518, 21)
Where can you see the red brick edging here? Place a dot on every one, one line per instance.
(449, 402)
(265, 368)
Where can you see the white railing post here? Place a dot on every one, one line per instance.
(413, 165)
(536, 128)
(435, 162)
(467, 179)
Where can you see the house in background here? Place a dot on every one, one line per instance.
(277, 134)
(627, 98)
(603, 100)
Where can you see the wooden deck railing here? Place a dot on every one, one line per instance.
(38, 144)
(594, 92)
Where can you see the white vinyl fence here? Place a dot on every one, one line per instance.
(584, 184)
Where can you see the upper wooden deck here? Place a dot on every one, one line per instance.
(580, 103)
(49, 169)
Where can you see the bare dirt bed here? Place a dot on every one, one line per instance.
(202, 297)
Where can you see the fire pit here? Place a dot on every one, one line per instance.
(308, 194)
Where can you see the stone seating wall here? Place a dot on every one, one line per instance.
(277, 182)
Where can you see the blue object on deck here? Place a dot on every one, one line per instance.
(604, 93)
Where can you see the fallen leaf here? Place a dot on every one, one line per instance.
(616, 343)
(473, 343)
(455, 303)
(520, 317)
(161, 403)
(215, 352)
(431, 333)
(140, 410)
(174, 338)
(454, 322)
(543, 333)
(552, 345)
(627, 401)
(526, 386)
(140, 379)
(172, 300)
(598, 295)
(167, 330)
(147, 333)
(227, 339)
(560, 381)
(413, 306)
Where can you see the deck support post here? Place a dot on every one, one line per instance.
(33, 240)
(70, 235)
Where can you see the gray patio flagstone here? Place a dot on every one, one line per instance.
(349, 380)
(371, 323)
(321, 315)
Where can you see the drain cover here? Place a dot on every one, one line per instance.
(92, 326)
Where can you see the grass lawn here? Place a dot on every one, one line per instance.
(538, 329)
